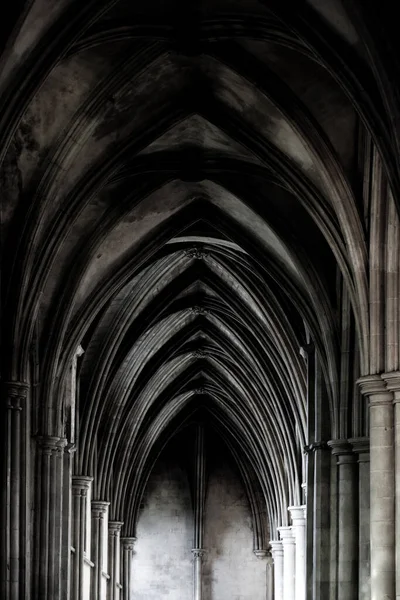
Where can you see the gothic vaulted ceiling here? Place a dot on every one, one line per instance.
(182, 201)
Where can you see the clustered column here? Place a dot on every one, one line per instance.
(347, 550)
(14, 420)
(288, 557)
(128, 551)
(199, 501)
(80, 486)
(289, 570)
(361, 450)
(382, 487)
(114, 547)
(277, 555)
(298, 514)
(392, 381)
(99, 522)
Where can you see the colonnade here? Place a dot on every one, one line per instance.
(101, 560)
(288, 555)
(340, 540)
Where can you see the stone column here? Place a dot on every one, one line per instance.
(66, 522)
(128, 551)
(198, 554)
(347, 550)
(361, 449)
(49, 518)
(289, 562)
(114, 554)
(80, 487)
(298, 514)
(270, 577)
(99, 511)
(277, 555)
(382, 487)
(393, 384)
(13, 489)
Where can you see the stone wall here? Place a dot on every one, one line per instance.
(231, 570)
(163, 559)
(163, 567)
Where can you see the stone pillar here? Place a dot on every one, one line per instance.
(298, 514)
(80, 487)
(49, 507)
(393, 384)
(198, 554)
(114, 554)
(347, 549)
(277, 555)
(361, 449)
(270, 578)
(128, 551)
(99, 511)
(382, 487)
(66, 522)
(289, 562)
(13, 490)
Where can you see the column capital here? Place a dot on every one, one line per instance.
(287, 535)
(81, 484)
(49, 443)
(114, 527)
(361, 447)
(374, 387)
(128, 543)
(16, 393)
(276, 547)
(392, 381)
(298, 513)
(260, 553)
(343, 451)
(99, 508)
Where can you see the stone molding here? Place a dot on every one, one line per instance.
(198, 253)
(99, 508)
(276, 548)
(114, 527)
(198, 553)
(200, 310)
(314, 446)
(343, 451)
(287, 535)
(392, 381)
(128, 543)
(374, 387)
(261, 554)
(50, 443)
(81, 484)
(298, 513)
(16, 393)
(360, 446)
